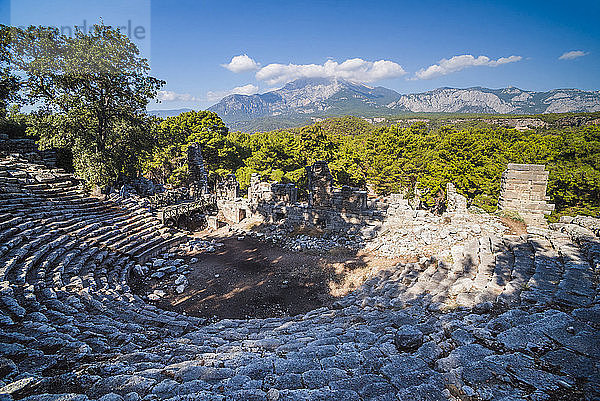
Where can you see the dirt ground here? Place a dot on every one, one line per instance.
(249, 278)
(515, 227)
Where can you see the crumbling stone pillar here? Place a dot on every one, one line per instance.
(254, 188)
(455, 202)
(198, 175)
(320, 185)
(523, 190)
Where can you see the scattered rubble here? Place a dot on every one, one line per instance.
(325, 242)
(408, 232)
(198, 245)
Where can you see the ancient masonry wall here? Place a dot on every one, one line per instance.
(261, 192)
(228, 189)
(320, 185)
(233, 210)
(343, 210)
(331, 219)
(523, 189)
(322, 194)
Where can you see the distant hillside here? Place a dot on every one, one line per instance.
(307, 100)
(167, 113)
(503, 101)
(298, 101)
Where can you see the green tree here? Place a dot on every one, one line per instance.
(315, 144)
(9, 83)
(222, 151)
(93, 89)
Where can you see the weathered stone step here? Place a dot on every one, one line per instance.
(543, 284)
(523, 268)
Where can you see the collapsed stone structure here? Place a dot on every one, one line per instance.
(190, 206)
(228, 189)
(523, 190)
(455, 202)
(320, 184)
(350, 199)
(27, 149)
(229, 205)
(323, 195)
(261, 192)
(327, 207)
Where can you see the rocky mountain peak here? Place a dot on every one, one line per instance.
(300, 100)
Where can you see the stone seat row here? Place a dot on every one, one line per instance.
(111, 308)
(531, 271)
(55, 274)
(101, 210)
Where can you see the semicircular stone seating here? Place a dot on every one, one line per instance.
(512, 318)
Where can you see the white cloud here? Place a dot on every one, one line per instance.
(241, 63)
(170, 96)
(457, 63)
(240, 90)
(355, 69)
(573, 54)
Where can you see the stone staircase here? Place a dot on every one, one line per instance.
(494, 318)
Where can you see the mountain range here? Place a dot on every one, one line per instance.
(304, 100)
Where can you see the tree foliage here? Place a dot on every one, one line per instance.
(93, 89)
(9, 82)
(221, 151)
(396, 159)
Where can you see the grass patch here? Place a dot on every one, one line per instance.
(510, 214)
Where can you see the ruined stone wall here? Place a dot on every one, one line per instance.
(349, 199)
(228, 189)
(523, 190)
(260, 192)
(328, 219)
(320, 185)
(322, 194)
(28, 150)
(332, 209)
(233, 210)
(455, 202)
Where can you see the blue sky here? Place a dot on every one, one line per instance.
(399, 45)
